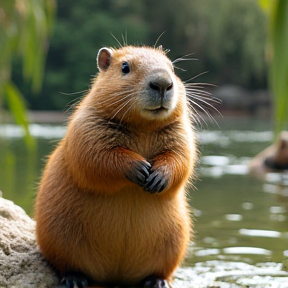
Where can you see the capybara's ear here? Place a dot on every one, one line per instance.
(104, 58)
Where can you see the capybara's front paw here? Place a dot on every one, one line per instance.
(155, 283)
(157, 180)
(139, 173)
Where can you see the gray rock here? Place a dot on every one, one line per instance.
(21, 263)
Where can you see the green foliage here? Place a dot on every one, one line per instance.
(278, 40)
(24, 28)
(279, 65)
(81, 29)
(228, 38)
(17, 107)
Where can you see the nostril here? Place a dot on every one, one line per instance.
(169, 87)
(158, 87)
(154, 86)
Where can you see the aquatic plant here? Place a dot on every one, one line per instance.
(25, 26)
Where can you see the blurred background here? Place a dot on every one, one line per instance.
(48, 54)
(227, 37)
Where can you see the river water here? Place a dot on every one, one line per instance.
(237, 217)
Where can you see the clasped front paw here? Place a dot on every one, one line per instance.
(151, 180)
(139, 173)
(156, 182)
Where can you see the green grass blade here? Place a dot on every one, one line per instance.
(18, 110)
(279, 65)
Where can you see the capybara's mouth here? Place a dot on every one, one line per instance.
(158, 110)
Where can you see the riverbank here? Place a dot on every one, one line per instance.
(51, 117)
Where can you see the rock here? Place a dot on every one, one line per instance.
(21, 263)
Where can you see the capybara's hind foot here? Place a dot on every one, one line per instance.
(154, 282)
(71, 281)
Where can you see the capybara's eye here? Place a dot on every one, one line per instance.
(125, 68)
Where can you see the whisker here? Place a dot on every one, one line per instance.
(205, 111)
(72, 104)
(203, 73)
(74, 93)
(204, 96)
(179, 68)
(200, 83)
(202, 109)
(120, 108)
(119, 43)
(195, 117)
(118, 101)
(112, 97)
(182, 58)
(206, 103)
(200, 95)
(200, 86)
(211, 100)
(130, 92)
(128, 109)
(125, 39)
(191, 90)
(203, 92)
(158, 39)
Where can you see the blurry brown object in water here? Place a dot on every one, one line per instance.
(272, 159)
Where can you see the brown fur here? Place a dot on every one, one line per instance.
(90, 217)
(277, 153)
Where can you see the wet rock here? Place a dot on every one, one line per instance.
(21, 264)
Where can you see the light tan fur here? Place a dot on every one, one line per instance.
(90, 217)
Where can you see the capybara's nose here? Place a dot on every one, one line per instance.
(162, 85)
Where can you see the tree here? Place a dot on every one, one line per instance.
(24, 29)
(229, 46)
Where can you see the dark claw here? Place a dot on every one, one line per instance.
(155, 283)
(74, 282)
(139, 173)
(156, 182)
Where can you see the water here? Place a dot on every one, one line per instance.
(238, 218)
